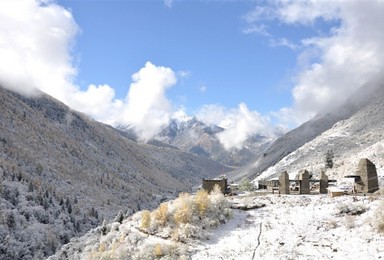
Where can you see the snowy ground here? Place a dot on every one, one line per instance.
(297, 227)
(281, 227)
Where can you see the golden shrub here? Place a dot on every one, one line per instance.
(145, 219)
(158, 251)
(102, 247)
(202, 202)
(161, 214)
(183, 212)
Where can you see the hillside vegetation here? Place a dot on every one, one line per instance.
(62, 173)
(163, 233)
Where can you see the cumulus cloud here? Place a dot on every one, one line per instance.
(346, 58)
(239, 124)
(99, 102)
(147, 108)
(36, 37)
(35, 43)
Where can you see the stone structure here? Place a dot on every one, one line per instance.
(208, 185)
(304, 182)
(284, 183)
(323, 183)
(368, 182)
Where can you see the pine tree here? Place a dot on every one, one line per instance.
(329, 159)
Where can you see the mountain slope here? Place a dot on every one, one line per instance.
(61, 173)
(194, 136)
(353, 127)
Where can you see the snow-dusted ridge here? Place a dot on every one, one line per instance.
(193, 135)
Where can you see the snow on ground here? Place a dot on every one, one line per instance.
(297, 227)
(281, 227)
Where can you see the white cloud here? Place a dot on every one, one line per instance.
(35, 43)
(239, 124)
(184, 74)
(99, 102)
(283, 42)
(168, 3)
(330, 67)
(147, 108)
(261, 29)
(35, 49)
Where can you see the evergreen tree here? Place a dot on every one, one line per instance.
(329, 159)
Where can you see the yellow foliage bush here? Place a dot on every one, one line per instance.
(158, 251)
(145, 219)
(202, 202)
(161, 214)
(102, 247)
(183, 212)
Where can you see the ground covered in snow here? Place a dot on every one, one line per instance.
(300, 227)
(276, 227)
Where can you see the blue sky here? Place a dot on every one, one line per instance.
(226, 66)
(249, 66)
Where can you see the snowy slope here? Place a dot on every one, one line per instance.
(352, 132)
(360, 136)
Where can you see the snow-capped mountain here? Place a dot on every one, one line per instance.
(192, 135)
(353, 131)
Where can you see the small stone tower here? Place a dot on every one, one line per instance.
(284, 183)
(304, 182)
(368, 182)
(323, 183)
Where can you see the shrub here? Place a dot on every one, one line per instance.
(218, 199)
(350, 222)
(158, 251)
(161, 214)
(351, 208)
(145, 219)
(202, 202)
(183, 212)
(379, 218)
(246, 185)
(102, 247)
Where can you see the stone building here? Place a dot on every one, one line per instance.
(209, 185)
(368, 181)
(284, 183)
(304, 182)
